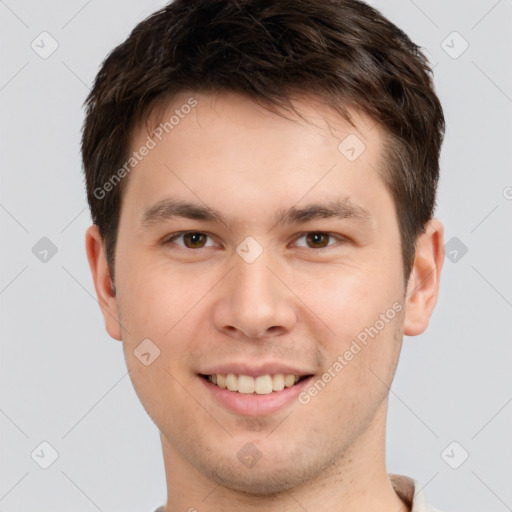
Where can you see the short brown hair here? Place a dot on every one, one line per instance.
(343, 51)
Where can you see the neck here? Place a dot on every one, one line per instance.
(357, 481)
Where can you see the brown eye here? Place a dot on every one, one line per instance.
(191, 240)
(317, 240)
(194, 240)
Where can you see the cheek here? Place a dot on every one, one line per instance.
(364, 313)
(360, 364)
(157, 311)
(346, 298)
(164, 306)
(157, 297)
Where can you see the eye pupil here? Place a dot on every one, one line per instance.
(194, 237)
(317, 238)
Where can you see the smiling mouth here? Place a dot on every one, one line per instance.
(261, 385)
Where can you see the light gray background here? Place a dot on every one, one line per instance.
(64, 381)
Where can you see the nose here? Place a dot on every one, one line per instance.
(254, 300)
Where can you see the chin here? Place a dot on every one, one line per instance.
(271, 474)
(263, 481)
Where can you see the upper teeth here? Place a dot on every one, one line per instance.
(261, 385)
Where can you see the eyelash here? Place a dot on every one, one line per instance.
(180, 234)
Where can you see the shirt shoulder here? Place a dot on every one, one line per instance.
(411, 493)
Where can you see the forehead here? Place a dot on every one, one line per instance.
(307, 111)
(208, 148)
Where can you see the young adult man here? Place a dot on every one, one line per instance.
(262, 179)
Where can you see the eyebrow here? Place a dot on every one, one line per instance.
(168, 209)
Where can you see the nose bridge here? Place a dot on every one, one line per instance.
(253, 282)
(252, 299)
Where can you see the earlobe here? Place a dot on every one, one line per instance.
(102, 281)
(423, 284)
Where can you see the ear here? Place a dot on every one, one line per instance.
(102, 281)
(423, 284)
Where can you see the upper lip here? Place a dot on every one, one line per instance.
(254, 370)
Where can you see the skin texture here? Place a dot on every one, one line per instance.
(295, 303)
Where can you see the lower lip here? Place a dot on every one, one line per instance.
(253, 404)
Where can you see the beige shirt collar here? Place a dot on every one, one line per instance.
(411, 493)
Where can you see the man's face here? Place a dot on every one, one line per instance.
(252, 296)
